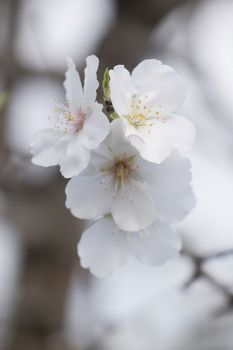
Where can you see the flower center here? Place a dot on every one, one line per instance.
(138, 112)
(121, 169)
(141, 114)
(69, 122)
(137, 119)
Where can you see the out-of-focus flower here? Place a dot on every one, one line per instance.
(146, 102)
(134, 191)
(80, 125)
(103, 247)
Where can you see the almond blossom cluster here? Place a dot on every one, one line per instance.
(127, 169)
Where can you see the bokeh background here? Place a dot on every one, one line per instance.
(47, 302)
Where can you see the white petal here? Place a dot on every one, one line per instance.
(100, 157)
(90, 81)
(155, 245)
(117, 141)
(180, 132)
(95, 128)
(76, 159)
(169, 185)
(173, 175)
(153, 149)
(174, 206)
(73, 86)
(103, 248)
(156, 142)
(144, 69)
(133, 208)
(166, 91)
(48, 148)
(89, 196)
(121, 89)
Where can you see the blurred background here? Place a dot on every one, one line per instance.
(47, 302)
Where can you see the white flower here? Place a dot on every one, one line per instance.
(134, 191)
(80, 125)
(104, 247)
(146, 102)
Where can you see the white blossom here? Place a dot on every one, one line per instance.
(146, 102)
(129, 175)
(103, 247)
(134, 191)
(80, 124)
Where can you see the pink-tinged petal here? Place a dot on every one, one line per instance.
(76, 158)
(121, 89)
(96, 127)
(103, 248)
(155, 245)
(48, 148)
(133, 207)
(164, 89)
(90, 81)
(73, 86)
(89, 196)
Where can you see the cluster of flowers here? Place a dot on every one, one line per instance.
(127, 167)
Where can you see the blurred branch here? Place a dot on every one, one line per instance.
(3, 100)
(127, 41)
(13, 180)
(199, 272)
(149, 12)
(221, 254)
(39, 214)
(18, 70)
(8, 57)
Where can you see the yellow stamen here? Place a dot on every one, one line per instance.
(137, 119)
